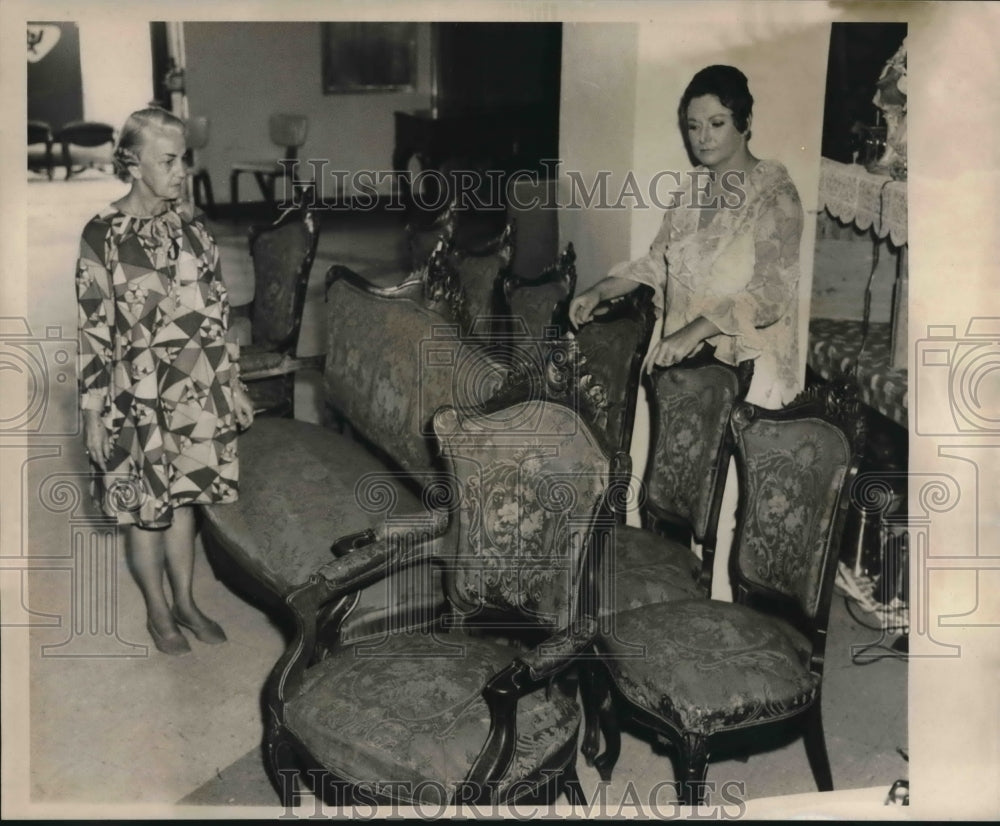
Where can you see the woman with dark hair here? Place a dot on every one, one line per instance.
(159, 375)
(725, 263)
(724, 266)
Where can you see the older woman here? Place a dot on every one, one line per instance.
(725, 264)
(160, 389)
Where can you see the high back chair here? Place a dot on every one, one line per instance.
(40, 134)
(714, 671)
(287, 131)
(690, 449)
(283, 254)
(196, 136)
(457, 710)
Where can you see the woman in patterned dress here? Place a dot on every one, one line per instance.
(159, 377)
(724, 265)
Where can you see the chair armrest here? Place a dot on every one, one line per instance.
(560, 650)
(288, 364)
(367, 556)
(391, 550)
(524, 674)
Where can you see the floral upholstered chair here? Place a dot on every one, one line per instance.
(482, 705)
(282, 254)
(709, 668)
(690, 448)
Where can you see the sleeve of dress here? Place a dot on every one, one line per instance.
(773, 284)
(96, 319)
(651, 268)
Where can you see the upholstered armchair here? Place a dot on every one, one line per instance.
(283, 254)
(713, 672)
(480, 706)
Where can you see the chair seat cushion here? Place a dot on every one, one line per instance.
(647, 569)
(297, 496)
(412, 712)
(710, 666)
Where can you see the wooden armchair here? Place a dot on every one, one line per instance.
(456, 711)
(715, 674)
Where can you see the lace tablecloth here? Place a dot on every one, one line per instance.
(852, 194)
(833, 351)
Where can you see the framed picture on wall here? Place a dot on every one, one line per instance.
(369, 57)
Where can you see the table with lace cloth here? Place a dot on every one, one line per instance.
(877, 202)
(854, 195)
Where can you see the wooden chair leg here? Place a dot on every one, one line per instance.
(282, 767)
(819, 761)
(591, 711)
(605, 762)
(234, 192)
(692, 769)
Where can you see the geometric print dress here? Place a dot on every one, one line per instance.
(155, 360)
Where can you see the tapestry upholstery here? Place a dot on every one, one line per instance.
(528, 483)
(478, 276)
(792, 481)
(613, 346)
(709, 666)
(646, 569)
(280, 529)
(412, 712)
(282, 259)
(421, 365)
(692, 408)
(536, 305)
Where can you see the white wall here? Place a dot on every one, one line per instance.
(596, 117)
(238, 74)
(116, 63)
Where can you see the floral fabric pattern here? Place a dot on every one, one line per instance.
(741, 272)
(646, 569)
(415, 713)
(526, 501)
(155, 361)
(692, 409)
(710, 666)
(794, 475)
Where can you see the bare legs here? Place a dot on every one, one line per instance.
(151, 553)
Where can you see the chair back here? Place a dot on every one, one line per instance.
(689, 446)
(87, 133)
(530, 481)
(39, 132)
(613, 346)
(463, 284)
(542, 301)
(288, 131)
(197, 131)
(795, 468)
(283, 254)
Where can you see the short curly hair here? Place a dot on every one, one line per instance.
(130, 139)
(729, 85)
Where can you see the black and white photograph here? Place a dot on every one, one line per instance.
(516, 410)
